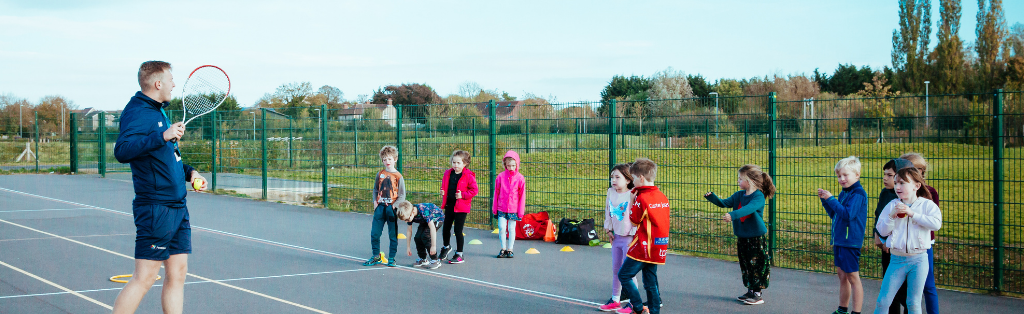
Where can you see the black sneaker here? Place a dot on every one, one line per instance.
(754, 300)
(508, 254)
(457, 259)
(745, 296)
(501, 254)
(838, 311)
(444, 253)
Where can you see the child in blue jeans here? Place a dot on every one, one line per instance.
(388, 189)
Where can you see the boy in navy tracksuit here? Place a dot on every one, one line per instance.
(163, 234)
(849, 218)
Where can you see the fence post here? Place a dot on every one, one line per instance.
(878, 122)
(772, 172)
(37, 140)
(263, 147)
(745, 132)
(416, 141)
(611, 135)
(527, 135)
(665, 125)
(398, 133)
(474, 136)
(492, 150)
(291, 159)
(577, 120)
(323, 153)
(73, 163)
(355, 140)
(213, 153)
(101, 158)
(997, 187)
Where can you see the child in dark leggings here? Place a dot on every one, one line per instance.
(458, 187)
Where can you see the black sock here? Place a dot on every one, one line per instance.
(843, 309)
(854, 312)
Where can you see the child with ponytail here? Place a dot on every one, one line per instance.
(747, 220)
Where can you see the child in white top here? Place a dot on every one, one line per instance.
(619, 228)
(907, 222)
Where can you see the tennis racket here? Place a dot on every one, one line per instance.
(205, 89)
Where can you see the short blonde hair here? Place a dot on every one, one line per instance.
(851, 163)
(388, 150)
(148, 72)
(645, 168)
(918, 160)
(406, 212)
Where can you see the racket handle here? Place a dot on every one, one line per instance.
(174, 140)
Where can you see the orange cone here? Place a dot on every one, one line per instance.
(549, 235)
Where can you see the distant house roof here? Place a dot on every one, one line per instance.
(359, 109)
(504, 110)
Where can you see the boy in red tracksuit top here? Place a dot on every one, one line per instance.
(650, 214)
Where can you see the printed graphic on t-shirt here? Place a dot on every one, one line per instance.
(387, 187)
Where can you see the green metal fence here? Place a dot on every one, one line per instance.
(34, 143)
(318, 155)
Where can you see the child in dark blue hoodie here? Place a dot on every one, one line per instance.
(849, 218)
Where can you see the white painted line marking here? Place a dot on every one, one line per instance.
(198, 282)
(85, 236)
(40, 210)
(57, 286)
(190, 274)
(324, 252)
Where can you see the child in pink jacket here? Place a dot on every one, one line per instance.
(509, 202)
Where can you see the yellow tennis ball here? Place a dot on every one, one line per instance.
(198, 183)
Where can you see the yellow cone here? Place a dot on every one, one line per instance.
(567, 249)
(495, 231)
(532, 251)
(383, 258)
(475, 241)
(401, 236)
(607, 245)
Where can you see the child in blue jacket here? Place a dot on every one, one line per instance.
(849, 218)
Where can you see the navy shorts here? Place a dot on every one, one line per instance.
(161, 231)
(846, 258)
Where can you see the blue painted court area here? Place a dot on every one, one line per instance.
(62, 237)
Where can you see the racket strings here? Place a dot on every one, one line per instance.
(204, 91)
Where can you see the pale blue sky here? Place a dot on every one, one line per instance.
(89, 51)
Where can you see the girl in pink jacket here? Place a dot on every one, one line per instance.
(509, 202)
(458, 187)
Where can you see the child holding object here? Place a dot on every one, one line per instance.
(747, 220)
(619, 229)
(908, 223)
(888, 194)
(430, 217)
(931, 295)
(509, 202)
(388, 189)
(849, 220)
(458, 187)
(650, 213)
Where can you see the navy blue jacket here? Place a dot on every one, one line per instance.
(849, 216)
(158, 174)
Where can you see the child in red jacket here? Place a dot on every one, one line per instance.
(458, 187)
(650, 214)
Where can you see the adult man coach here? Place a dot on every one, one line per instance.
(163, 235)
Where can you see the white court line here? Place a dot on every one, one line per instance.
(486, 283)
(57, 286)
(190, 274)
(85, 236)
(196, 282)
(39, 210)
